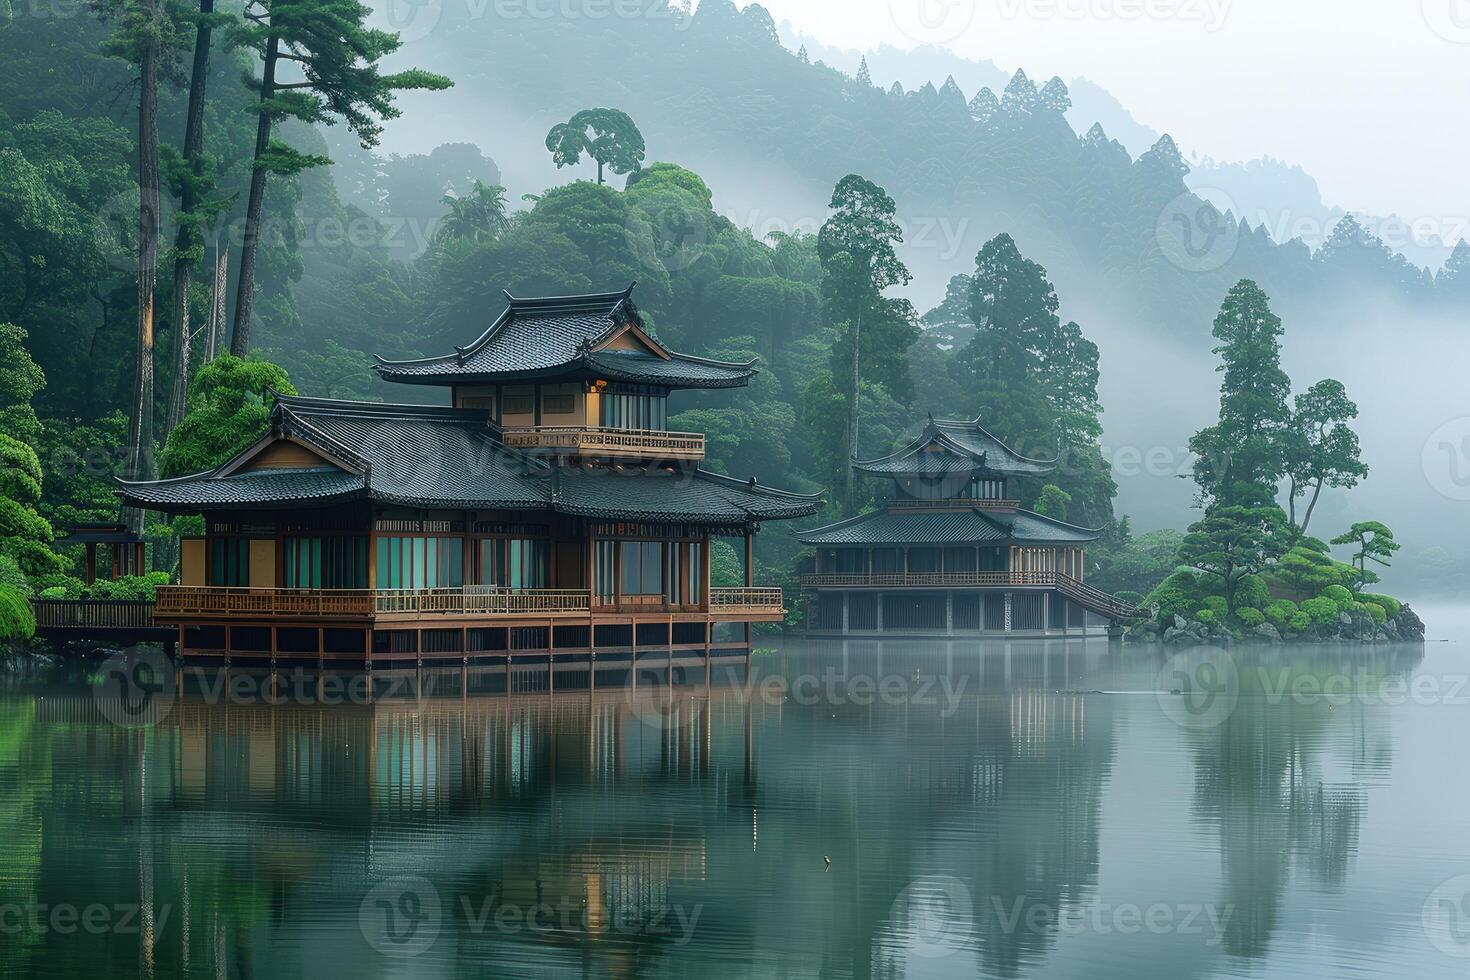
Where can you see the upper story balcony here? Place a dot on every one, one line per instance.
(585, 440)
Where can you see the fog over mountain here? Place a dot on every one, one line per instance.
(1151, 321)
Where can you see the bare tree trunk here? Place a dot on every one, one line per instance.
(1307, 518)
(856, 409)
(245, 291)
(216, 326)
(140, 448)
(188, 238)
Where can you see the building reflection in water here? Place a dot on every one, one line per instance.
(656, 831)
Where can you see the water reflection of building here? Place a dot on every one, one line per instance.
(260, 824)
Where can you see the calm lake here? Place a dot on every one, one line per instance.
(1020, 809)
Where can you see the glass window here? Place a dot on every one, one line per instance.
(695, 573)
(229, 562)
(643, 570)
(607, 558)
(633, 407)
(326, 563)
(515, 563)
(420, 563)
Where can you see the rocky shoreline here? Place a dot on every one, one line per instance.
(1406, 627)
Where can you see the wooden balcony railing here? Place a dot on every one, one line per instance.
(183, 602)
(591, 440)
(760, 600)
(176, 601)
(1103, 603)
(85, 614)
(963, 503)
(902, 579)
(481, 601)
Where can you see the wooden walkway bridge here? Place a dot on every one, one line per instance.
(126, 621)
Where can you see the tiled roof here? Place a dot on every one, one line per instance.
(949, 447)
(423, 456)
(946, 527)
(691, 496)
(558, 336)
(244, 490)
(419, 455)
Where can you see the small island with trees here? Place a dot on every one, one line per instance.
(1249, 568)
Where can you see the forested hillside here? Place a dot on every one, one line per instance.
(986, 200)
(1123, 232)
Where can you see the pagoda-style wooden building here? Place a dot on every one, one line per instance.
(546, 510)
(951, 553)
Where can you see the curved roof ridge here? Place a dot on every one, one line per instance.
(325, 441)
(1059, 523)
(397, 410)
(975, 424)
(753, 484)
(713, 362)
(845, 522)
(201, 475)
(571, 298)
(923, 439)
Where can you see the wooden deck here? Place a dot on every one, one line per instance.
(122, 620)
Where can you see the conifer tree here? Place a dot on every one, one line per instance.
(1054, 96)
(1454, 279)
(1321, 450)
(863, 75)
(856, 247)
(984, 106)
(1020, 98)
(1243, 453)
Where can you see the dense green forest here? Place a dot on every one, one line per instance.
(348, 251)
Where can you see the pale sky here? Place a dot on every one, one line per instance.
(1365, 94)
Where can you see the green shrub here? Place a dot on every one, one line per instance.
(135, 587)
(1207, 616)
(1280, 612)
(1251, 592)
(71, 588)
(1390, 605)
(17, 621)
(1175, 595)
(12, 577)
(1373, 609)
(1298, 621)
(1129, 596)
(1321, 610)
(54, 592)
(1342, 598)
(1214, 604)
(1250, 618)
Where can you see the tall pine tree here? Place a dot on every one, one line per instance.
(1243, 454)
(332, 58)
